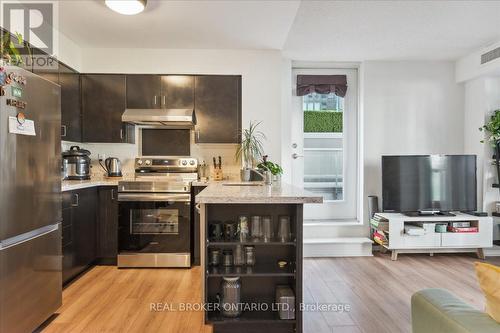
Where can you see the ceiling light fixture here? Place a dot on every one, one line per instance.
(126, 7)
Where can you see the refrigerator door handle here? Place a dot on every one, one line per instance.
(27, 236)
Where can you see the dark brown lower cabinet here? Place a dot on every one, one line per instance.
(79, 243)
(89, 229)
(108, 225)
(258, 282)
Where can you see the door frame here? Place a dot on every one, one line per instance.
(346, 210)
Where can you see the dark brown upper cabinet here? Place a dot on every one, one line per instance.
(177, 91)
(143, 91)
(103, 103)
(218, 108)
(156, 91)
(71, 119)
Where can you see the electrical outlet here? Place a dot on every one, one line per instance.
(101, 157)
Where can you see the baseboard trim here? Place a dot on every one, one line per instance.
(338, 247)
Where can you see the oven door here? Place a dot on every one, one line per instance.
(154, 223)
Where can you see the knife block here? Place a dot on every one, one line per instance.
(217, 174)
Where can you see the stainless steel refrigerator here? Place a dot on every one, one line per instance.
(30, 202)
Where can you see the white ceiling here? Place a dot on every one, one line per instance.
(180, 24)
(307, 30)
(392, 30)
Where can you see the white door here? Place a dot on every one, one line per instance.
(325, 148)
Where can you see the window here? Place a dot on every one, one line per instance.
(323, 145)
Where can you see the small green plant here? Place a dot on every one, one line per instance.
(250, 148)
(268, 165)
(492, 129)
(8, 49)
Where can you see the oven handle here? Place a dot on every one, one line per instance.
(153, 197)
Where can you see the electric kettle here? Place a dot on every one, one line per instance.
(112, 166)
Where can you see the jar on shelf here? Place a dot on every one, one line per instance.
(230, 299)
(227, 258)
(249, 255)
(214, 257)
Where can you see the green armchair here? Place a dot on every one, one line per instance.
(437, 310)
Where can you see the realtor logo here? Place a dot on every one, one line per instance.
(36, 22)
(33, 20)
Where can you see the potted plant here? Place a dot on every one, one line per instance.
(250, 149)
(492, 129)
(275, 168)
(10, 55)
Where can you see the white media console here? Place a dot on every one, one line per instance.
(435, 242)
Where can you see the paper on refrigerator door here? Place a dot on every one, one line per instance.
(27, 128)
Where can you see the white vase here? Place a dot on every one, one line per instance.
(245, 174)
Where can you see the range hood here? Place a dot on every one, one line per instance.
(178, 118)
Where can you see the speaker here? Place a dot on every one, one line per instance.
(372, 205)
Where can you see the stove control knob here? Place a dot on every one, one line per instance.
(184, 162)
(191, 162)
(148, 162)
(139, 162)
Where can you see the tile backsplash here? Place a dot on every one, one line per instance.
(128, 152)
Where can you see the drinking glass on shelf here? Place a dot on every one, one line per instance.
(243, 231)
(229, 231)
(267, 229)
(256, 228)
(284, 232)
(215, 231)
(238, 256)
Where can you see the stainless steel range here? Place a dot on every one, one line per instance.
(154, 213)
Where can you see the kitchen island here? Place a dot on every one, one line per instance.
(225, 203)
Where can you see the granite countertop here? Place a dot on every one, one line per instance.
(281, 194)
(69, 185)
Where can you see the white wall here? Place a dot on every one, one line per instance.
(69, 52)
(409, 108)
(481, 99)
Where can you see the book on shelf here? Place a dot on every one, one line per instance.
(380, 226)
(380, 241)
(379, 218)
(380, 236)
(463, 229)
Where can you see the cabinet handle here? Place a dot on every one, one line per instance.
(63, 130)
(112, 194)
(121, 134)
(155, 98)
(164, 100)
(77, 200)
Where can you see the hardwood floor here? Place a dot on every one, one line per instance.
(108, 299)
(378, 290)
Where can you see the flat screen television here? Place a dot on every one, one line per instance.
(429, 183)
